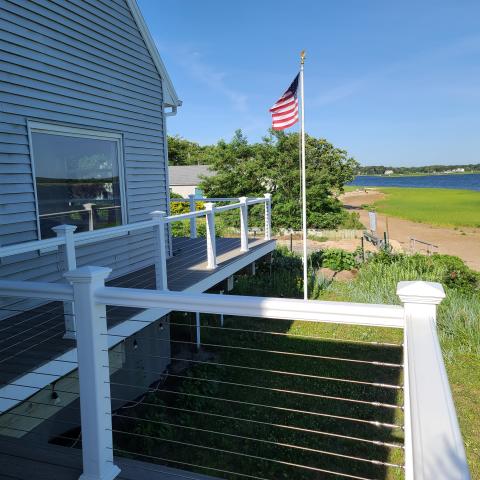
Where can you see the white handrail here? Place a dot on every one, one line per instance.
(434, 446)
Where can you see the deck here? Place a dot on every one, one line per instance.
(27, 344)
(19, 459)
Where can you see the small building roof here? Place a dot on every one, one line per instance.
(188, 174)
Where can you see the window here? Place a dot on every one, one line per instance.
(78, 175)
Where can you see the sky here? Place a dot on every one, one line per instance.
(393, 83)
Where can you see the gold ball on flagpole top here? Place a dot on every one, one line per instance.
(302, 57)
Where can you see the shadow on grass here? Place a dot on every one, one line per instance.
(254, 402)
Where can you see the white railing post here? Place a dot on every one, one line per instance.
(70, 263)
(160, 250)
(433, 446)
(89, 208)
(243, 224)
(193, 221)
(211, 242)
(94, 374)
(268, 216)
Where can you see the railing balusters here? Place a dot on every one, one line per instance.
(193, 221)
(94, 377)
(211, 241)
(67, 250)
(160, 253)
(243, 224)
(268, 216)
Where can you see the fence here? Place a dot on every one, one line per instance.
(424, 412)
(67, 240)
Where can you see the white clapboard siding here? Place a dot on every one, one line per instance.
(80, 63)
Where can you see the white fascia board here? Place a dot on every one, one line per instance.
(170, 97)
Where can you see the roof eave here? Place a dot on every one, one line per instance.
(170, 97)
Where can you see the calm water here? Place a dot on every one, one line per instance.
(465, 182)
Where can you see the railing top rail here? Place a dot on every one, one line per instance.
(58, 291)
(225, 208)
(84, 238)
(25, 247)
(264, 307)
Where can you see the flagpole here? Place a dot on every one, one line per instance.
(304, 182)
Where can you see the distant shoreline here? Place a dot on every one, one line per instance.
(435, 174)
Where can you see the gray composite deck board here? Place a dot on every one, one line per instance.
(20, 458)
(30, 339)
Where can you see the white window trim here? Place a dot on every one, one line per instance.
(55, 129)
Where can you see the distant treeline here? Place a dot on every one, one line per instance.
(381, 169)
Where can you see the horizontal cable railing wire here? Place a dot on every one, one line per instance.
(235, 419)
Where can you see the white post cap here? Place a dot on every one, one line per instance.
(158, 214)
(427, 293)
(87, 274)
(267, 195)
(243, 199)
(60, 229)
(209, 206)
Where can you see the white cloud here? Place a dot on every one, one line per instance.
(194, 63)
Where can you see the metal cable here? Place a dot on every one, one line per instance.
(269, 442)
(276, 352)
(268, 424)
(231, 452)
(286, 334)
(280, 372)
(293, 392)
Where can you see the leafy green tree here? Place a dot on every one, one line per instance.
(272, 165)
(184, 152)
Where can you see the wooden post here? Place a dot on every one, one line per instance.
(94, 374)
(268, 216)
(243, 224)
(211, 241)
(70, 263)
(363, 249)
(291, 241)
(193, 221)
(160, 253)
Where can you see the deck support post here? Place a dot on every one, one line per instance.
(268, 216)
(211, 242)
(243, 224)
(160, 250)
(193, 221)
(70, 263)
(431, 425)
(198, 339)
(221, 315)
(94, 374)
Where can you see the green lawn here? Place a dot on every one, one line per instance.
(436, 206)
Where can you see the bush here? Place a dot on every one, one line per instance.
(351, 221)
(338, 259)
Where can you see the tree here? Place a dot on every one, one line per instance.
(184, 152)
(273, 166)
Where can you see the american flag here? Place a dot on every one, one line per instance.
(285, 111)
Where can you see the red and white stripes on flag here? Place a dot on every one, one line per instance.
(285, 111)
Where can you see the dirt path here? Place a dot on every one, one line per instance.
(464, 242)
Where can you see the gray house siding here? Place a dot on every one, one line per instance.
(80, 63)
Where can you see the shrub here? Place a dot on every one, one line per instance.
(352, 221)
(338, 259)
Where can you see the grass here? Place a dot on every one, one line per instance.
(458, 328)
(208, 413)
(436, 206)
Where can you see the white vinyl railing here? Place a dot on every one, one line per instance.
(67, 240)
(433, 443)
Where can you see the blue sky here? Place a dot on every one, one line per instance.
(394, 83)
